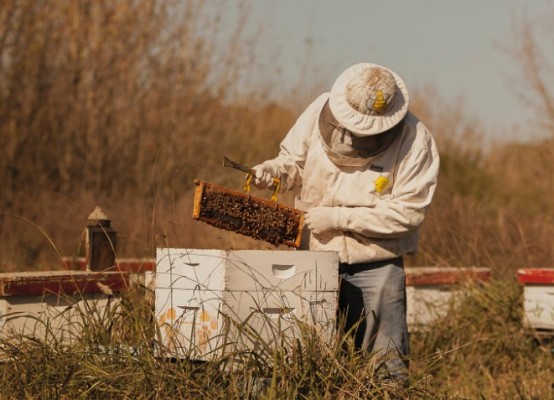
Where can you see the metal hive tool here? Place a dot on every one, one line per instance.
(247, 215)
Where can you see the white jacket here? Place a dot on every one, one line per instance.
(382, 202)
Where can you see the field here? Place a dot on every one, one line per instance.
(123, 104)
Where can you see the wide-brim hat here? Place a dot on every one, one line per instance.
(368, 99)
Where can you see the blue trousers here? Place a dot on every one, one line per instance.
(372, 304)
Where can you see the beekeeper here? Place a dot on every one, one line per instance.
(367, 170)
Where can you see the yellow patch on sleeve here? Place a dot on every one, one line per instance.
(381, 184)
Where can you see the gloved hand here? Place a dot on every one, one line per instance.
(321, 219)
(265, 173)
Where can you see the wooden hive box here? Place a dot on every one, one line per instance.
(538, 299)
(212, 302)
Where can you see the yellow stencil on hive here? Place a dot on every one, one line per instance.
(169, 315)
(204, 316)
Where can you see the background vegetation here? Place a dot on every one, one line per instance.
(123, 104)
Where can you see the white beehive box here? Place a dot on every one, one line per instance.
(212, 302)
(538, 299)
(43, 304)
(432, 291)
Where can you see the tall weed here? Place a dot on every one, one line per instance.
(115, 352)
(481, 349)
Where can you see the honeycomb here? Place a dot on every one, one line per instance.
(247, 215)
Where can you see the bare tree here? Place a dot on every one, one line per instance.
(533, 49)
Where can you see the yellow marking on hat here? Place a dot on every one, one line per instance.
(380, 102)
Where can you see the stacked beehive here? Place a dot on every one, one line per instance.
(212, 302)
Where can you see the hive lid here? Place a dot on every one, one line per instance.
(538, 276)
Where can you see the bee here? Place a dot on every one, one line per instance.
(379, 100)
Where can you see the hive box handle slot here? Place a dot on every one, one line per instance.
(283, 271)
(274, 312)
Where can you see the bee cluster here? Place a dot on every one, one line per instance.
(249, 216)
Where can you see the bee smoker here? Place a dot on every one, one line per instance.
(100, 242)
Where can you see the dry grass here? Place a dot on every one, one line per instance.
(482, 351)
(114, 354)
(478, 351)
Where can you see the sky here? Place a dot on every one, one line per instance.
(460, 48)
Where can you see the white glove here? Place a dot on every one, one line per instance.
(321, 219)
(264, 175)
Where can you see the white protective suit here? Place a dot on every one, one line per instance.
(378, 202)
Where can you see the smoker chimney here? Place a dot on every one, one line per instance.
(100, 242)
